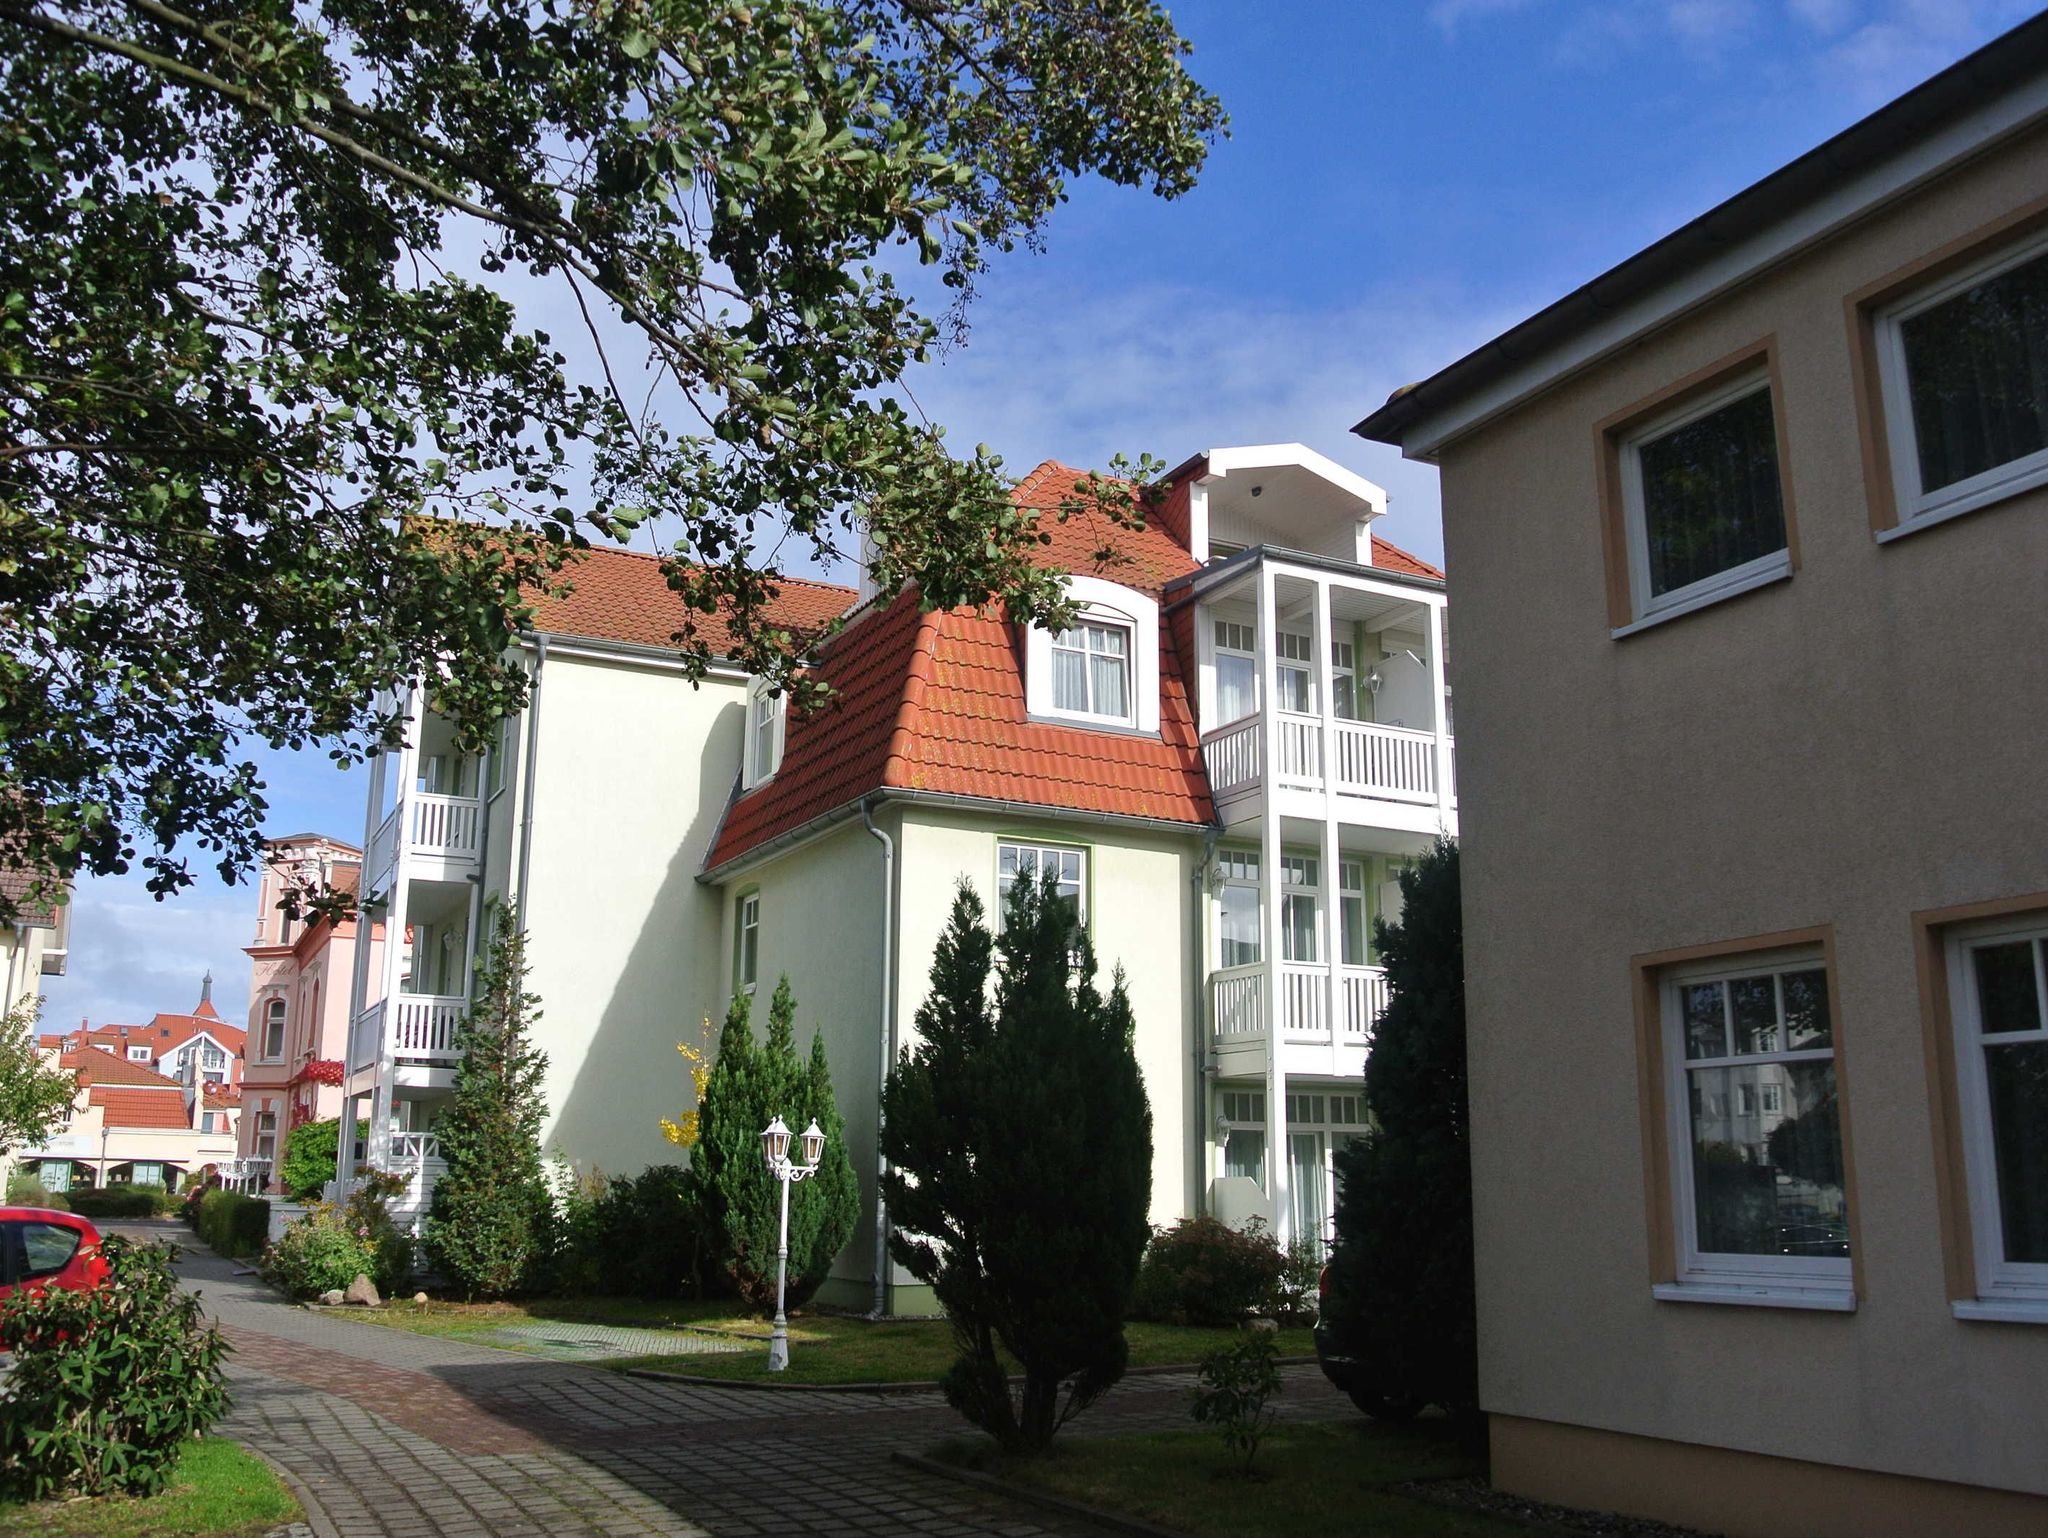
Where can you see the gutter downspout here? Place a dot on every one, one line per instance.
(887, 1037)
(532, 755)
(1200, 882)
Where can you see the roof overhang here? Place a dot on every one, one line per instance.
(1964, 112)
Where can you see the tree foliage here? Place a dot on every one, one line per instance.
(311, 1150)
(1020, 1150)
(740, 1201)
(489, 1228)
(1401, 1288)
(253, 320)
(35, 1096)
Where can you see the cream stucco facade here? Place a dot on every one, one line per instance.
(1844, 757)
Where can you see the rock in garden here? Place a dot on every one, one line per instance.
(420, 1298)
(332, 1297)
(364, 1291)
(1263, 1326)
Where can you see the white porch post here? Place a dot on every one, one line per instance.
(359, 973)
(1272, 1003)
(1443, 741)
(1326, 688)
(377, 1145)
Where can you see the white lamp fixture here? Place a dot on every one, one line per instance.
(814, 1144)
(775, 1143)
(775, 1150)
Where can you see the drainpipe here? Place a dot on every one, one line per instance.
(887, 1038)
(532, 755)
(1200, 882)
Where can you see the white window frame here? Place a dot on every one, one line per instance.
(1238, 639)
(1239, 869)
(746, 942)
(1310, 868)
(275, 1012)
(1243, 1110)
(138, 1054)
(1722, 584)
(1917, 508)
(1788, 1281)
(2013, 1289)
(1099, 602)
(1294, 652)
(1354, 876)
(766, 713)
(1040, 849)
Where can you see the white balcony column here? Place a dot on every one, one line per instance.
(1326, 692)
(1436, 715)
(1270, 889)
(376, 1147)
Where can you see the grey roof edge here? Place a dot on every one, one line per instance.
(2004, 62)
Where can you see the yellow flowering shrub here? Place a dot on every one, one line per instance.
(684, 1129)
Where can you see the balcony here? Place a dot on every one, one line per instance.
(443, 832)
(423, 1027)
(1315, 1036)
(1364, 761)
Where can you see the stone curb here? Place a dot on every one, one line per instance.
(1113, 1520)
(748, 1385)
(316, 1514)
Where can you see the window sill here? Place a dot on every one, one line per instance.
(1962, 507)
(1825, 1299)
(2002, 1310)
(1705, 600)
(1120, 728)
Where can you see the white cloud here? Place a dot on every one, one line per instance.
(1449, 15)
(132, 956)
(1710, 26)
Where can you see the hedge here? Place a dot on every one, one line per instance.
(233, 1225)
(137, 1201)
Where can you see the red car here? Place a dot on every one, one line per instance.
(40, 1248)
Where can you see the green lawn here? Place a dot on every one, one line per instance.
(1330, 1477)
(218, 1491)
(824, 1348)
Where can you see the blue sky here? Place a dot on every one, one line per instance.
(1403, 181)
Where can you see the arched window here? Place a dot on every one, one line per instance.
(273, 1030)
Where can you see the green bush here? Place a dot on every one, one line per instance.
(1233, 1393)
(109, 1385)
(632, 1234)
(25, 1189)
(143, 1201)
(309, 1154)
(1203, 1271)
(233, 1225)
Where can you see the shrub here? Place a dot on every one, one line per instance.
(1233, 1393)
(1020, 1149)
(1401, 1283)
(638, 1234)
(1203, 1271)
(332, 1244)
(25, 1189)
(109, 1385)
(233, 1225)
(488, 1230)
(738, 1199)
(309, 1154)
(1296, 1297)
(134, 1201)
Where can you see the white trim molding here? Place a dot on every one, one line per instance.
(1101, 603)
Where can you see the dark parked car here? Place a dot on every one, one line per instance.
(1350, 1370)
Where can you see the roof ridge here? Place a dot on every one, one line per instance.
(909, 711)
(648, 555)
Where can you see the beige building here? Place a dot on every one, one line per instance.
(37, 944)
(1750, 538)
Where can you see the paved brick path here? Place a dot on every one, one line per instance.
(391, 1433)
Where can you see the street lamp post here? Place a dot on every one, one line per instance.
(775, 1149)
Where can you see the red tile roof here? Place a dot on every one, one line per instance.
(141, 1108)
(622, 595)
(1393, 558)
(97, 1067)
(935, 703)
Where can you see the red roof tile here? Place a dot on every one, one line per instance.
(622, 595)
(95, 1066)
(141, 1108)
(935, 702)
(1393, 558)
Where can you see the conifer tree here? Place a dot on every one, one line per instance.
(488, 1230)
(740, 1200)
(1020, 1147)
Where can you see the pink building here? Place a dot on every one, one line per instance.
(298, 995)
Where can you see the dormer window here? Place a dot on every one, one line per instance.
(1103, 670)
(764, 732)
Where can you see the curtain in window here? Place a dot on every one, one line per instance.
(1977, 369)
(1237, 689)
(1239, 925)
(1070, 670)
(1110, 667)
(1711, 499)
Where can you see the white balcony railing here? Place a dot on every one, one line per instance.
(1387, 763)
(414, 1147)
(246, 1175)
(423, 1029)
(1238, 1013)
(365, 1038)
(438, 828)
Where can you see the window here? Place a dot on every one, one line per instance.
(500, 753)
(1998, 989)
(1760, 1199)
(138, 1054)
(1034, 862)
(764, 732)
(1091, 671)
(1237, 907)
(1351, 908)
(1343, 670)
(55, 1174)
(211, 1056)
(1244, 1140)
(266, 1132)
(1294, 677)
(146, 1174)
(1300, 889)
(1237, 674)
(1964, 367)
(273, 1030)
(209, 1121)
(46, 1248)
(746, 959)
(1702, 499)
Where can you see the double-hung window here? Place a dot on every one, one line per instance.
(746, 948)
(1091, 671)
(1702, 499)
(1237, 907)
(1964, 369)
(266, 1132)
(273, 1030)
(1998, 992)
(1237, 677)
(1300, 896)
(1033, 863)
(1759, 1196)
